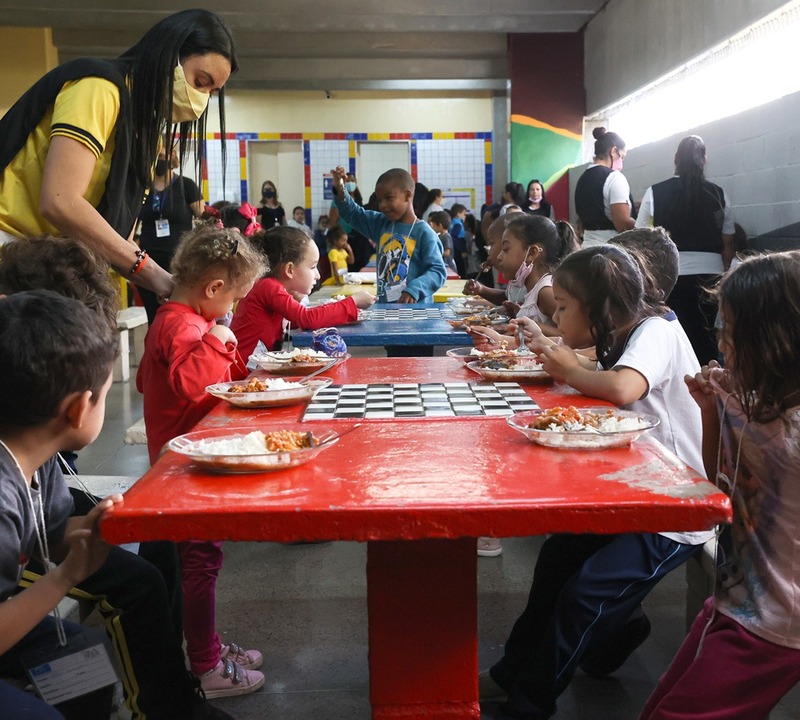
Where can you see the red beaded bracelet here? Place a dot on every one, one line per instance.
(141, 260)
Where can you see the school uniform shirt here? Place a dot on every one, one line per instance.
(758, 573)
(85, 111)
(260, 315)
(408, 256)
(530, 307)
(18, 538)
(180, 360)
(660, 351)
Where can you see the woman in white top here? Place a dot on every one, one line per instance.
(433, 203)
(698, 217)
(602, 195)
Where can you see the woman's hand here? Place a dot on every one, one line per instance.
(153, 277)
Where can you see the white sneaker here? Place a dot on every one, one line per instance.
(489, 547)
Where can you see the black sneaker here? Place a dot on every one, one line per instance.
(617, 650)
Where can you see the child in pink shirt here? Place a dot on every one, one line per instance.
(269, 308)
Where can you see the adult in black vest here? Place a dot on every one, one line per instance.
(603, 199)
(77, 150)
(699, 220)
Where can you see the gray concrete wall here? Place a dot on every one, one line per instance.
(633, 42)
(754, 156)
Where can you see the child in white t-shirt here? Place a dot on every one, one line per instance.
(584, 608)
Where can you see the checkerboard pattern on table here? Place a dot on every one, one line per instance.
(406, 314)
(415, 400)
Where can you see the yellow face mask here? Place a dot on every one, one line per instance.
(188, 103)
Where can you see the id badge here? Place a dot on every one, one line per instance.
(62, 673)
(162, 227)
(393, 292)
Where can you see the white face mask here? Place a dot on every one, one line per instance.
(188, 103)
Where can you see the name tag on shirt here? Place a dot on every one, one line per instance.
(162, 227)
(62, 673)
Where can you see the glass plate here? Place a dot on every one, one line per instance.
(463, 353)
(269, 398)
(467, 305)
(467, 353)
(582, 439)
(192, 446)
(518, 374)
(282, 366)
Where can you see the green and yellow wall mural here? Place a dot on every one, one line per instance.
(547, 108)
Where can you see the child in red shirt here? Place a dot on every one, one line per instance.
(185, 351)
(293, 258)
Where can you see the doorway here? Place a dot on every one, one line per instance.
(280, 161)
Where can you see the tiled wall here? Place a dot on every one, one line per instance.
(459, 163)
(234, 167)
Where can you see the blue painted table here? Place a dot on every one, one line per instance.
(423, 331)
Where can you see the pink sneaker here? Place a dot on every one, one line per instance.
(248, 659)
(489, 547)
(229, 679)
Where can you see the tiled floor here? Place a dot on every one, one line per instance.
(304, 606)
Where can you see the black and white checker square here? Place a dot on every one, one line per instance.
(414, 400)
(406, 314)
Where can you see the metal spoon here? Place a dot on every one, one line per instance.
(326, 366)
(491, 340)
(523, 348)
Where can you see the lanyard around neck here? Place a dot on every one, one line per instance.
(41, 533)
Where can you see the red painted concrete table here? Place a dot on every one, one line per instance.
(419, 492)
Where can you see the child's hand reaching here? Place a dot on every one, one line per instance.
(363, 299)
(407, 299)
(700, 387)
(486, 339)
(339, 177)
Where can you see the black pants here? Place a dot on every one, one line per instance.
(130, 594)
(697, 313)
(584, 589)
